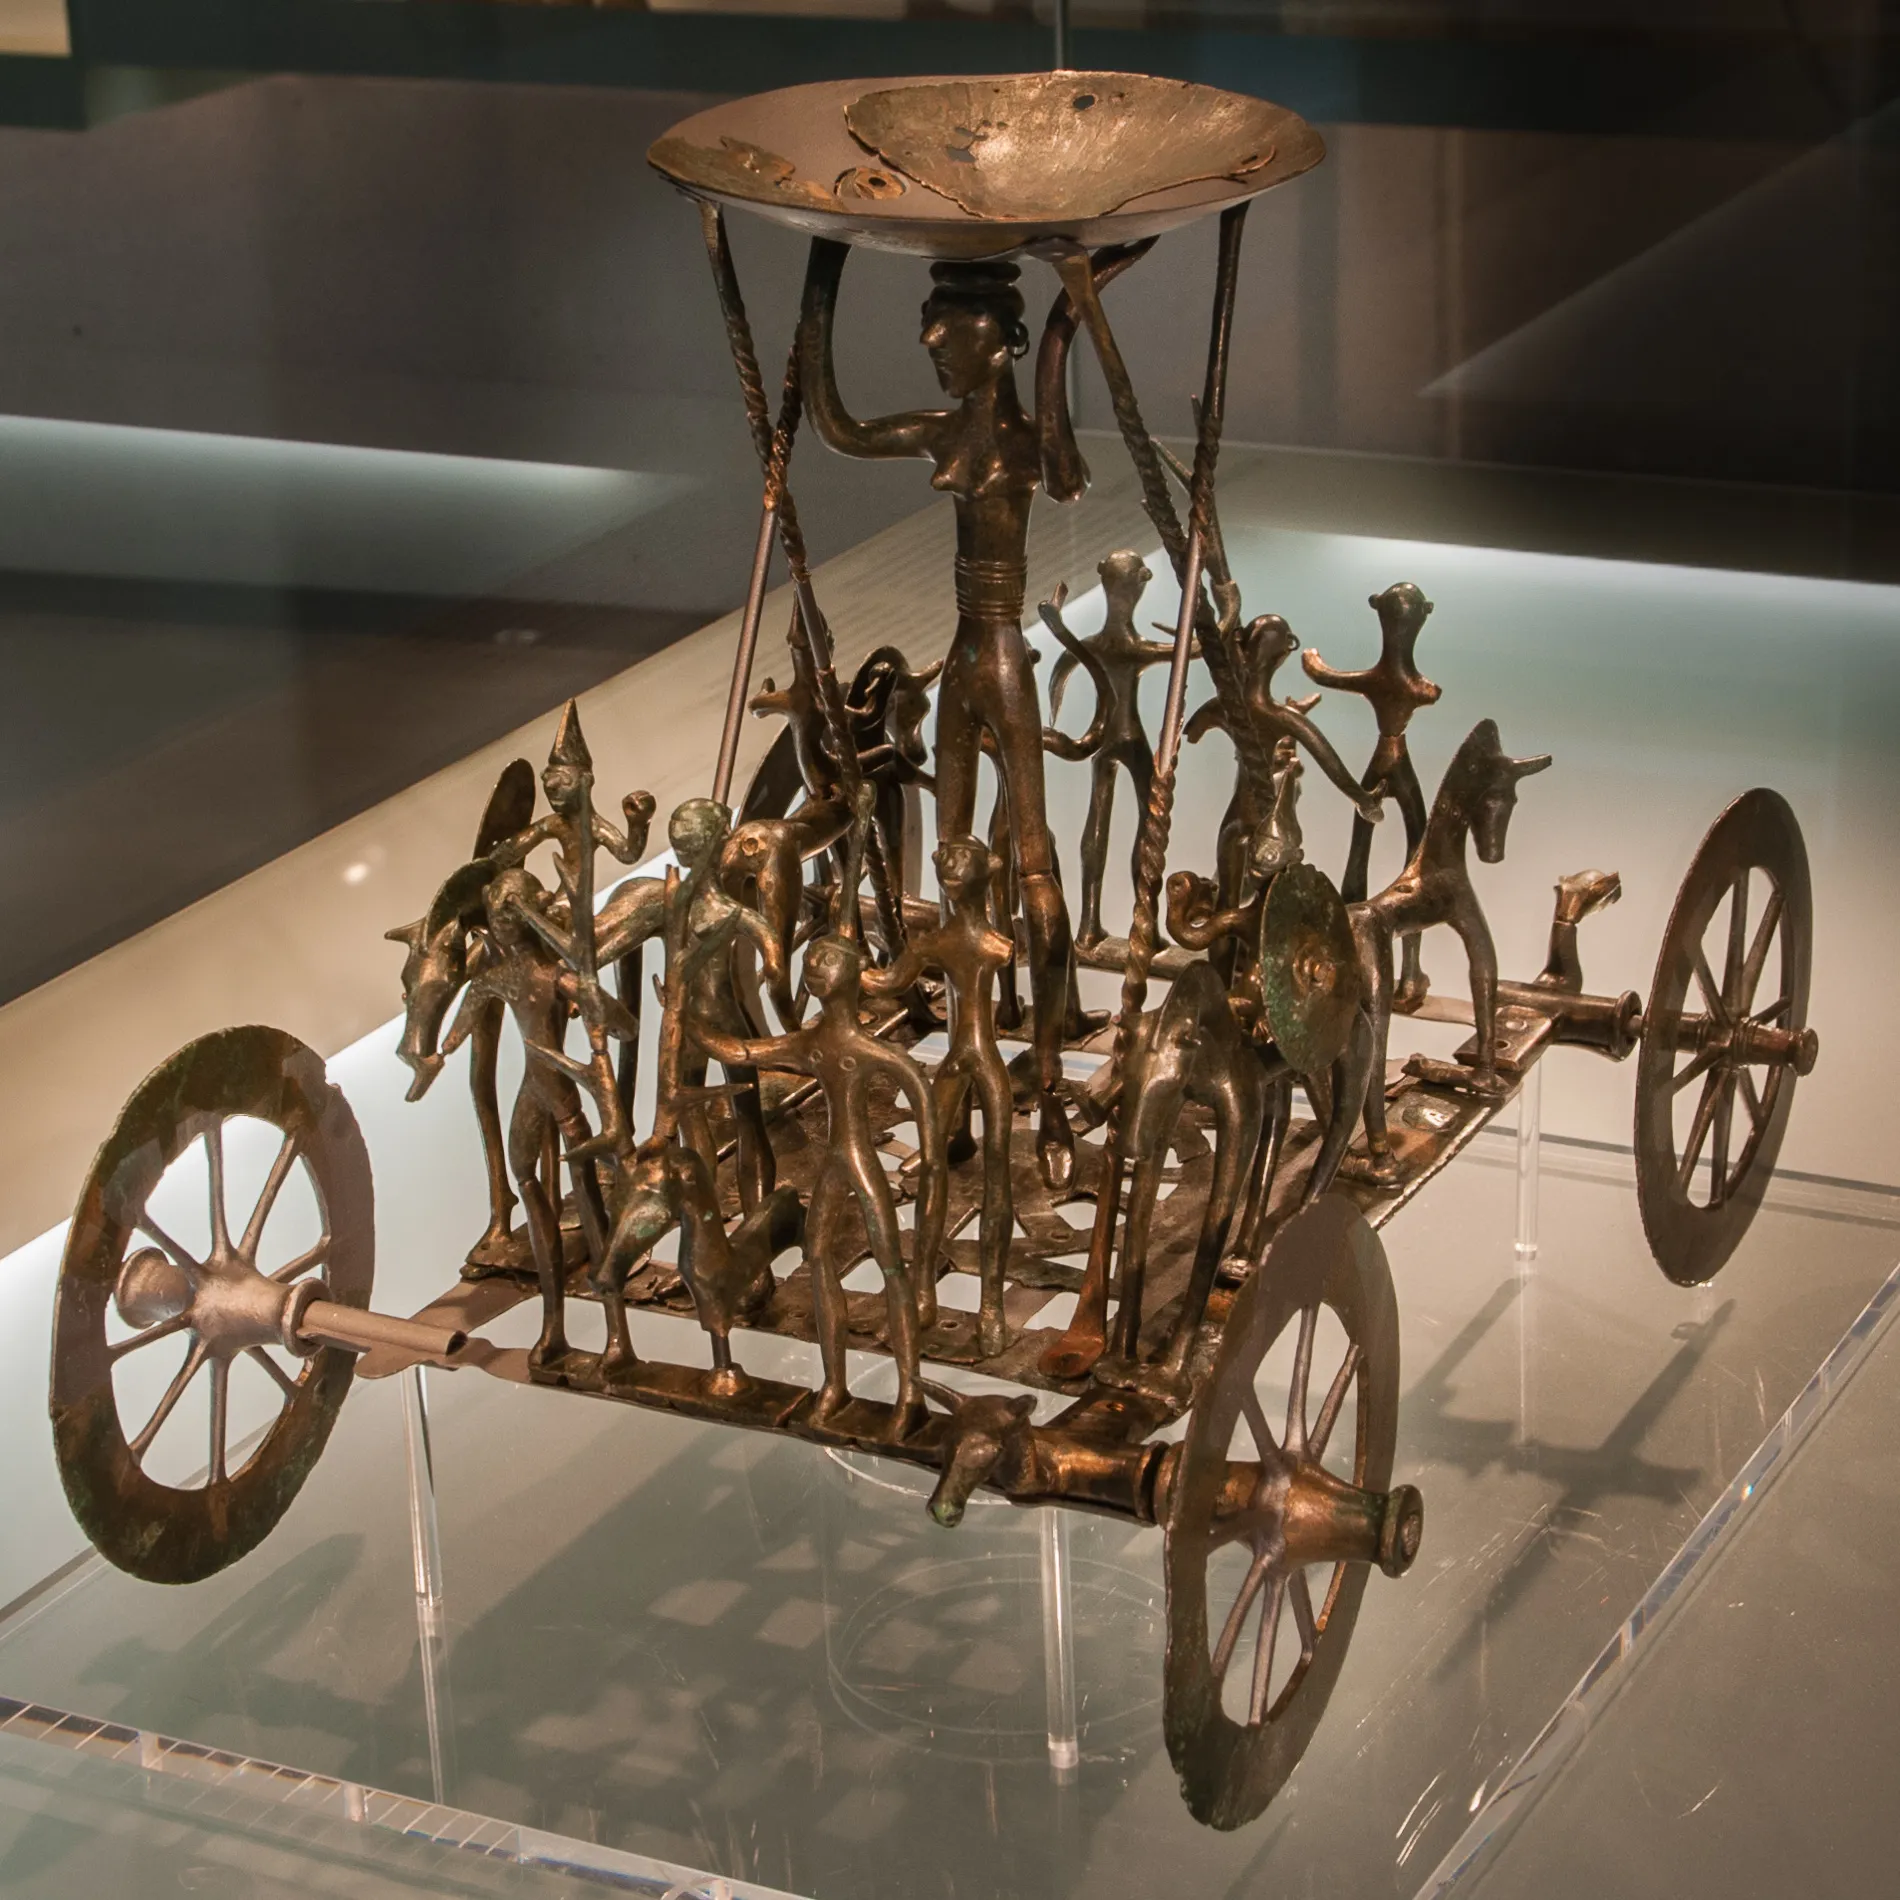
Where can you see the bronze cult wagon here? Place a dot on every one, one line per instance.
(1158, 1172)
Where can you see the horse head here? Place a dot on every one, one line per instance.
(1479, 790)
(436, 968)
(988, 1435)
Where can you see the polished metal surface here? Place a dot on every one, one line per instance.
(791, 156)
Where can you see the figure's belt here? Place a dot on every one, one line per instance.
(990, 590)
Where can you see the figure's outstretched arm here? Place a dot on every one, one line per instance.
(1208, 719)
(560, 941)
(756, 1052)
(630, 847)
(893, 978)
(884, 437)
(1283, 718)
(509, 852)
(1342, 679)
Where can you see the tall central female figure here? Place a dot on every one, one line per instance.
(991, 456)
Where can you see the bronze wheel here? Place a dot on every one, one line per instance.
(1269, 1533)
(1720, 1052)
(132, 1298)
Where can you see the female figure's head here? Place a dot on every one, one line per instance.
(973, 325)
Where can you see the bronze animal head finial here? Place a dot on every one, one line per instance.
(1480, 786)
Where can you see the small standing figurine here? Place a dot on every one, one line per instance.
(797, 704)
(541, 993)
(713, 924)
(1395, 689)
(969, 952)
(1115, 658)
(848, 1062)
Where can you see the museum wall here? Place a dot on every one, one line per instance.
(491, 269)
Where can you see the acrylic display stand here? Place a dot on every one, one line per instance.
(601, 1641)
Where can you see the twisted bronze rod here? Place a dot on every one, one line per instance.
(1086, 1337)
(809, 635)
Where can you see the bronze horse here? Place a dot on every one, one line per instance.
(1474, 804)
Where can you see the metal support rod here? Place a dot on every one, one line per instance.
(810, 630)
(1083, 1341)
(1169, 746)
(1063, 40)
(748, 646)
(1530, 1130)
(425, 1547)
(425, 1530)
(1058, 1646)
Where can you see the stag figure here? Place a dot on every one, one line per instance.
(1474, 804)
(969, 953)
(1395, 689)
(848, 1061)
(441, 951)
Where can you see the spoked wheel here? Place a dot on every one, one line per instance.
(1724, 1037)
(217, 1291)
(1269, 1532)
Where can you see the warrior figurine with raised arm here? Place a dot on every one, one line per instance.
(571, 824)
(969, 951)
(577, 831)
(990, 455)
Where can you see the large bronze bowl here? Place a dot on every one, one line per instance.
(961, 168)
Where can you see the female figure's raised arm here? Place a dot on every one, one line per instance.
(884, 438)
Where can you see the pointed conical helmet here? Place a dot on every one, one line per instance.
(570, 748)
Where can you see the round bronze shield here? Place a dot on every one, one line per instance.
(1309, 972)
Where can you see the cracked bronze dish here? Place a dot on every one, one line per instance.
(958, 168)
